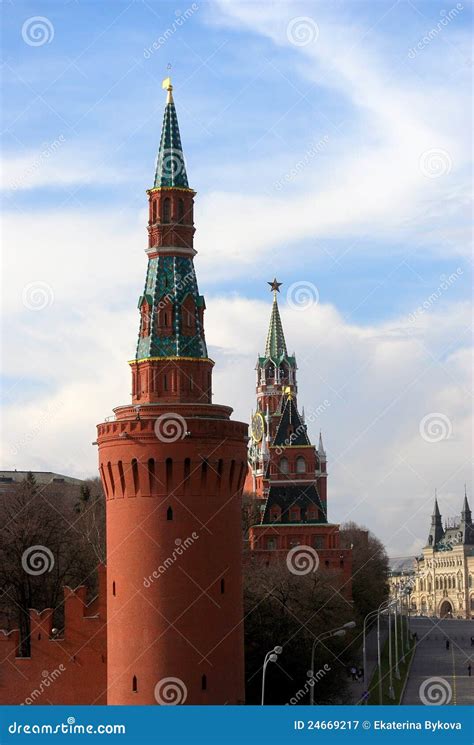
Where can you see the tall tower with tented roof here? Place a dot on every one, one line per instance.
(173, 466)
(287, 473)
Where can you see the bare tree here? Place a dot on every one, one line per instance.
(284, 609)
(369, 567)
(41, 550)
(91, 511)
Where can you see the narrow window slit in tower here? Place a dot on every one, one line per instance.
(166, 210)
(241, 475)
(222, 586)
(231, 474)
(169, 474)
(113, 589)
(187, 473)
(136, 484)
(152, 475)
(204, 474)
(204, 683)
(111, 477)
(104, 481)
(122, 477)
(169, 513)
(220, 466)
(134, 684)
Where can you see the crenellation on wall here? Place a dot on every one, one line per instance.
(59, 668)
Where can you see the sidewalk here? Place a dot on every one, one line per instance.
(356, 687)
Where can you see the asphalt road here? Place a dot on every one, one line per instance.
(440, 675)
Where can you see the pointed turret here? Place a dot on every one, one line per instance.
(171, 333)
(466, 527)
(436, 531)
(321, 450)
(276, 369)
(170, 165)
(276, 345)
(466, 516)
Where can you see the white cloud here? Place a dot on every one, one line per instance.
(58, 163)
(67, 362)
(403, 164)
(379, 382)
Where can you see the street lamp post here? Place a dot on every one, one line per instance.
(380, 609)
(401, 630)
(391, 692)
(397, 669)
(271, 656)
(364, 646)
(409, 591)
(338, 631)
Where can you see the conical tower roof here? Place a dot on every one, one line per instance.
(171, 307)
(170, 165)
(276, 344)
(436, 530)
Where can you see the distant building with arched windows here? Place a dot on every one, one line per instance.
(440, 582)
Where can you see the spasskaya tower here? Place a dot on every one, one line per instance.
(287, 473)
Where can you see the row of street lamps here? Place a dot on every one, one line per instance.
(384, 608)
(272, 656)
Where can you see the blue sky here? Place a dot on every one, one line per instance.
(329, 143)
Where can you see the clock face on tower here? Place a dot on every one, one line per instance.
(258, 427)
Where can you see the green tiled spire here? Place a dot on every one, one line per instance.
(171, 308)
(170, 166)
(276, 345)
(170, 284)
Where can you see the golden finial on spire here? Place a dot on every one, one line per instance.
(166, 85)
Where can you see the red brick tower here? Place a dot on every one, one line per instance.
(173, 466)
(287, 474)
